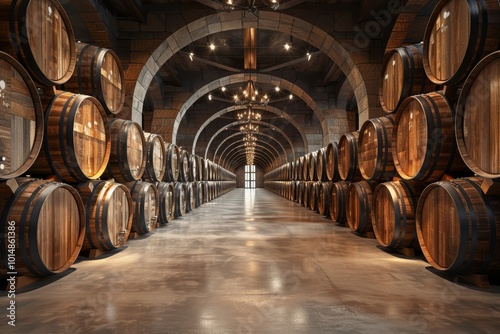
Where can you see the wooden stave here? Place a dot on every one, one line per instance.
(152, 173)
(481, 205)
(348, 157)
(485, 39)
(338, 200)
(119, 167)
(87, 79)
(16, 13)
(96, 196)
(166, 202)
(473, 163)
(444, 158)
(384, 169)
(59, 144)
(404, 195)
(143, 222)
(412, 81)
(38, 118)
(360, 194)
(32, 195)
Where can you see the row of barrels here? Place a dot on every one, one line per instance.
(454, 223)
(46, 224)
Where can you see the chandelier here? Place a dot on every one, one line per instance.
(249, 138)
(250, 96)
(250, 6)
(249, 128)
(249, 115)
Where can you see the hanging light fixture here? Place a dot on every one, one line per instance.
(251, 6)
(249, 115)
(250, 96)
(249, 128)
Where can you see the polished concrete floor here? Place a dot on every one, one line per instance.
(253, 262)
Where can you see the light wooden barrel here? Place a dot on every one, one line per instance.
(41, 36)
(200, 165)
(77, 144)
(403, 75)
(348, 157)
(458, 227)
(313, 195)
(156, 151)
(359, 202)
(127, 161)
(313, 156)
(338, 202)
(321, 164)
(21, 119)
(478, 118)
(184, 167)
(108, 208)
(306, 194)
(375, 149)
(166, 202)
(49, 218)
(172, 166)
(145, 199)
(332, 162)
(206, 191)
(180, 198)
(300, 192)
(425, 147)
(305, 168)
(98, 73)
(393, 213)
(459, 33)
(324, 196)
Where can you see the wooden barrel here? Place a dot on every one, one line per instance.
(76, 143)
(459, 33)
(193, 167)
(108, 208)
(184, 167)
(41, 36)
(425, 145)
(127, 161)
(375, 149)
(348, 157)
(206, 191)
(190, 196)
(393, 213)
(477, 122)
(180, 198)
(312, 166)
(307, 194)
(21, 119)
(324, 196)
(156, 151)
(359, 202)
(458, 227)
(321, 164)
(172, 166)
(403, 75)
(200, 165)
(305, 168)
(98, 73)
(313, 195)
(49, 218)
(332, 162)
(145, 199)
(300, 192)
(166, 202)
(199, 194)
(338, 202)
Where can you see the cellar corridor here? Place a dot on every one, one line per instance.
(252, 262)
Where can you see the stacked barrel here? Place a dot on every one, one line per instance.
(74, 177)
(407, 176)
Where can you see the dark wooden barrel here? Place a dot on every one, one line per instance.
(332, 162)
(156, 151)
(39, 33)
(425, 145)
(312, 166)
(348, 157)
(145, 199)
(199, 194)
(313, 195)
(459, 33)
(180, 198)
(458, 227)
(190, 196)
(321, 164)
(184, 167)
(205, 188)
(305, 168)
(98, 73)
(359, 202)
(172, 165)
(338, 202)
(403, 75)
(200, 165)
(193, 167)
(307, 194)
(21, 120)
(166, 202)
(127, 161)
(300, 192)
(76, 144)
(108, 208)
(324, 195)
(393, 213)
(478, 118)
(375, 149)
(49, 218)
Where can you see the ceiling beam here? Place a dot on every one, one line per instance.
(288, 63)
(212, 63)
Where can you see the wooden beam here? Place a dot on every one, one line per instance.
(288, 63)
(213, 63)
